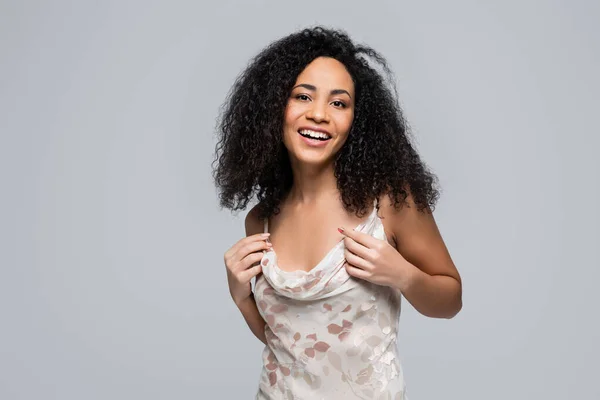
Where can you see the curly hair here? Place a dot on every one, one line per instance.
(377, 157)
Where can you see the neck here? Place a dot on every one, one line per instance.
(312, 184)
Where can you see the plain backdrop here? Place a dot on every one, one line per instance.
(112, 282)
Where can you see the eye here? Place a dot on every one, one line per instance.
(302, 97)
(339, 104)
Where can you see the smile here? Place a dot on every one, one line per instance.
(307, 133)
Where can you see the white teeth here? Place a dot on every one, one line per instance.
(313, 134)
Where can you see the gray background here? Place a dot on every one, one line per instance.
(112, 283)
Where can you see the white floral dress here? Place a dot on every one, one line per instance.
(329, 335)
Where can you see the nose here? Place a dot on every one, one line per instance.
(317, 112)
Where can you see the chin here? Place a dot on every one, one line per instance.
(306, 154)
(311, 157)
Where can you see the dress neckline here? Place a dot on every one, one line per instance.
(321, 262)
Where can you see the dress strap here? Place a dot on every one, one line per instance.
(266, 225)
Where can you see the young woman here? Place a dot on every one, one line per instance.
(343, 227)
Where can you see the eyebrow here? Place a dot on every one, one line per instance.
(314, 89)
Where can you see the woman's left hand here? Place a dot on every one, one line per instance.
(375, 260)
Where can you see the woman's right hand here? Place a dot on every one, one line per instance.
(240, 260)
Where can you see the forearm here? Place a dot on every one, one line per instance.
(255, 321)
(436, 296)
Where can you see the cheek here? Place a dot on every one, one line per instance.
(289, 122)
(344, 123)
(291, 114)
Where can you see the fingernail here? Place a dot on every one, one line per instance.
(341, 230)
(267, 234)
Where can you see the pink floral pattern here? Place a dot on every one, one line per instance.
(329, 335)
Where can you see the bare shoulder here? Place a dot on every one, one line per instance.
(252, 223)
(402, 219)
(394, 218)
(416, 236)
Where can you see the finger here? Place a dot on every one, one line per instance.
(356, 272)
(244, 241)
(247, 275)
(356, 261)
(247, 262)
(357, 248)
(250, 248)
(359, 237)
(247, 240)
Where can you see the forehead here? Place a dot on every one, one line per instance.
(326, 73)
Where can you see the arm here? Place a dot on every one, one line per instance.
(255, 322)
(431, 282)
(248, 306)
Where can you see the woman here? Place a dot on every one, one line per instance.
(314, 132)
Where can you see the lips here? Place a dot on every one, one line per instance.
(314, 134)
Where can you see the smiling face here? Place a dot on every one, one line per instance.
(319, 112)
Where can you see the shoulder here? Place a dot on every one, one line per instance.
(416, 237)
(405, 222)
(252, 223)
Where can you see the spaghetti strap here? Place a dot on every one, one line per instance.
(266, 225)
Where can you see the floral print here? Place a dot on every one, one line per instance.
(329, 335)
